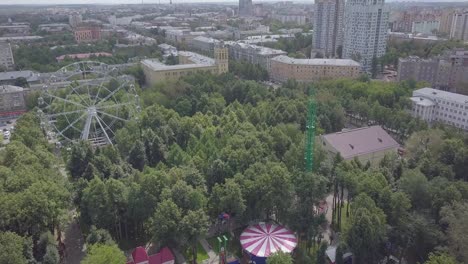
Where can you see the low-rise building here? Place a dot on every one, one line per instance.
(432, 105)
(15, 29)
(54, 28)
(182, 36)
(87, 34)
(415, 68)
(284, 68)
(6, 56)
(12, 102)
(189, 63)
(10, 77)
(252, 53)
(368, 144)
(298, 19)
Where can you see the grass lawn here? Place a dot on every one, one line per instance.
(201, 254)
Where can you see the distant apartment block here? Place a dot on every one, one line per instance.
(75, 20)
(182, 36)
(365, 33)
(54, 28)
(433, 105)
(6, 56)
(189, 63)
(87, 34)
(15, 29)
(415, 68)
(299, 19)
(12, 102)
(328, 27)
(252, 53)
(284, 68)
(204, 45)
(449, 72)
(245, 8)
(459, 26)
(425, 27)
(446, 21)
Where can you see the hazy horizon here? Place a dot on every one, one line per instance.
(116, 2)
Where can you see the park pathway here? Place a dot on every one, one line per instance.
(213, 257)
(74, 243)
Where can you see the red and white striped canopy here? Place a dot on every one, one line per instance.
(265, 239)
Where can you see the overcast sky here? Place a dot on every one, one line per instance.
(28, 2)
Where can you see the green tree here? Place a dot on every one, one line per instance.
(454, 216)
(440, 258)
(104, 254)
(12, 248)
(164, 226)
(279, 258)
(367, 229)
(194, 225)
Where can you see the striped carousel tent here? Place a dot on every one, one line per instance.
(262, 240)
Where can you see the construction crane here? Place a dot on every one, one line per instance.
(310, 132)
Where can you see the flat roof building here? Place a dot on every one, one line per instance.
(6, 56)
(12, 102)
(189, 63)
(432, 105)
(366, 143)
(284, 68)
(252, 53)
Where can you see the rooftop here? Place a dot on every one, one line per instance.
(156, 65)
(317, 62)
(12, 75)
(432, 93)
(422, 101)
(10, 89)
(206, 39)
(197, 58)
(360, 141)
(258, 49)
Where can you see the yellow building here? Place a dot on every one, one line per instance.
(283, 68)
(189, 63)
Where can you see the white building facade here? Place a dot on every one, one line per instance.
(365, 31)
(425, 27)
(328, 27)
(433, 105)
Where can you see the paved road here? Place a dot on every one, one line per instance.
(74, 242)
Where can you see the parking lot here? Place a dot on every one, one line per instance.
(7, 125)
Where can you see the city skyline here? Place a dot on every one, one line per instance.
(114, 2)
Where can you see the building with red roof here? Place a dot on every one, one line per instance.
(140, 256)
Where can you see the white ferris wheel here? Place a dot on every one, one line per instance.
(87, 101)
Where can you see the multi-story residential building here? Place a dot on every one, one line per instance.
(6, 56)
(365, 33)
(204, 45)
(245, 8)
(328, 27)
(299, 19)
(415, 68)
(15, 29)
(182, 36)
(12, 102)
(433, 105)
(189, 63)
(87, 34)
(459, 28)
(425, 27)
(75, 20)
(446, 21)
(252, 53)
(284, 68)
(403, 23)
(449, 72)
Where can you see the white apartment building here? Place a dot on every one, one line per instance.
(6, 56)
(328, 27)
(425, 27)
(459, 29)
(433, 105)
(365, 33)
